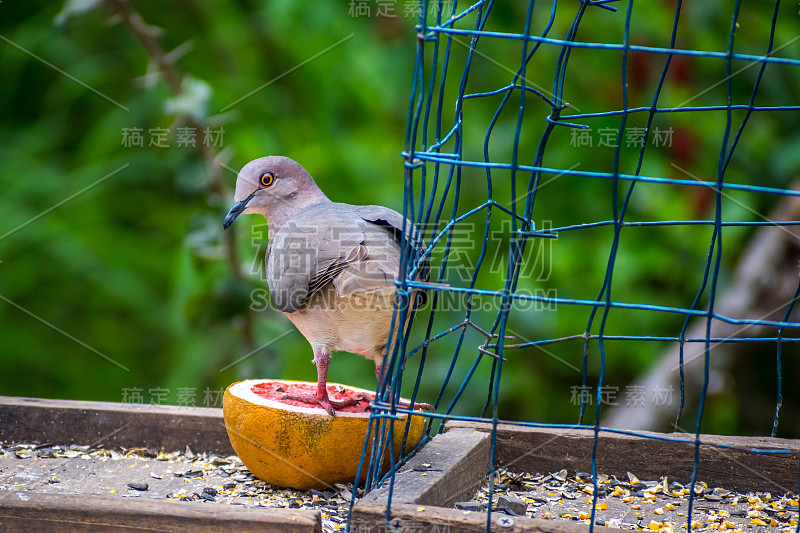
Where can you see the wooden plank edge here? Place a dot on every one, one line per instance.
(107, 424)
(30, 511)
(738, 442)
(456, 460)
(737, 468)
(371, 518)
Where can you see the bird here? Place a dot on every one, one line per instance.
(330, 267)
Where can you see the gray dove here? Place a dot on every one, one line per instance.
(331, 267)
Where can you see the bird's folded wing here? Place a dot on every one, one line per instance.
(357, 248)
(311, 250)
(400, 226)
(396, 223)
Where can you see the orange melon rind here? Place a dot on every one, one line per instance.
(302, 447)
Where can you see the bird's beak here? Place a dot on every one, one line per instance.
(236, 210)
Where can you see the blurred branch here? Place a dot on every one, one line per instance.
(145, 35)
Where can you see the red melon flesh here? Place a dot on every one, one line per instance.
(267, 390)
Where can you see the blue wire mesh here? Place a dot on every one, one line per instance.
(450, 152)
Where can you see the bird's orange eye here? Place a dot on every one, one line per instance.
(267, 179)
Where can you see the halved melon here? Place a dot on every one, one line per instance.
(292, 444)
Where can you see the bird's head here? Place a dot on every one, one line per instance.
(274, 187)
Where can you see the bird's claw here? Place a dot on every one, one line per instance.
(326, 403)
(423, 407)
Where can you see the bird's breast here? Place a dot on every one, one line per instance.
(358, 323)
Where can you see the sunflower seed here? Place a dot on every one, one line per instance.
(470, 506)
(207, 497)
(513, 504)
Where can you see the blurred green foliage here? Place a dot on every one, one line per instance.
(117, 252)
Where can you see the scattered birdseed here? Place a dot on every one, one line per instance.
(192, 476)
(637, 504)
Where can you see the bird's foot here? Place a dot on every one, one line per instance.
(326, 403)
(418, 406)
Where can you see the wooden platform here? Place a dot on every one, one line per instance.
(450, 468)
(459, 461)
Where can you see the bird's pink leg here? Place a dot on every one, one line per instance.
(322, 360)
(402, 403)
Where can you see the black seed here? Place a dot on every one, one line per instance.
(210, 490)
(139, 486)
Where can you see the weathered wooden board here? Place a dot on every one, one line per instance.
(104, 424)
(454, 473)
(101, 476)
(737, 468)
(111, 425)
(371, 518)
(458, 460)
(29, 511)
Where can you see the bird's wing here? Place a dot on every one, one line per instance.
(311, 250)
(397, 225)
(357, 248)
(376, 268)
